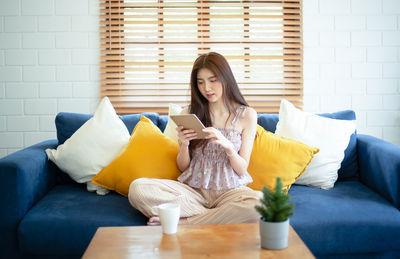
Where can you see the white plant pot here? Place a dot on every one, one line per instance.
(274, 235)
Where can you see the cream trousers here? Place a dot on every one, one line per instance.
(198, 206)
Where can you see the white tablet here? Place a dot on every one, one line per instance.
(190, 121)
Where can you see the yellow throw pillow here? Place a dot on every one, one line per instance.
(273, 156)
(149, 154)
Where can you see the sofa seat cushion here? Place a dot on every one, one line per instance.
(350, 218)
(66, 219)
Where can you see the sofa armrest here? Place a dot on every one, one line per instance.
(379, 163)
(25, 177)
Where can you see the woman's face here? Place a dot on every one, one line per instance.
(209, 85)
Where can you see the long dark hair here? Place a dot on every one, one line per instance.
(231, 94)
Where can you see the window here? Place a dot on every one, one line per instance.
(148, 48)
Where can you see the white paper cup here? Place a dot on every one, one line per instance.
(169, 214)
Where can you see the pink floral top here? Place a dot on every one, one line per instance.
(210, 167)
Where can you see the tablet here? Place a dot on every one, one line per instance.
(190, 121)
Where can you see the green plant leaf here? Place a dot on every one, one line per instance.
(274, 205)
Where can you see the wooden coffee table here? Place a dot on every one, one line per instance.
(191, 241)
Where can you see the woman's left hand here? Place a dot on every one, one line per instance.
(217, 137)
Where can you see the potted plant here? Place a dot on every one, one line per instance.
(275, 211)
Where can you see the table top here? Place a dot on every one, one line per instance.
(191, 241)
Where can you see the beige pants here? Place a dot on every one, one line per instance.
(198, 206)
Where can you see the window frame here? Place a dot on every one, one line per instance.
(119, 67)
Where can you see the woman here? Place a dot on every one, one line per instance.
(212, 188)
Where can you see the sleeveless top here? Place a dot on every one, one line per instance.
(210, 167)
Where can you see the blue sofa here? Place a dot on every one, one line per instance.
(44, 214)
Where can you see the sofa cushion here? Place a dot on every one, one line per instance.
(93, 146)
(149, 154)
(170, 128)
(132, 119)
(331, 136)
(349, 166)
(65, 220)
(68, 123)
(162, 122)
(350, 218)
(268, 121)
(277, 149)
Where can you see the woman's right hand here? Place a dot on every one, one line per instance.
(185, 135)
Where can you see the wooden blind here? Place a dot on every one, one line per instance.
(148, 48)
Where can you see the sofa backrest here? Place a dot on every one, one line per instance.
(68, 123)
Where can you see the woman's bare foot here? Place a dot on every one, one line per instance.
(155, 221)
(183, 221)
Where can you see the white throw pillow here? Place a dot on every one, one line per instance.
(329, 135)
(93, 146)
(170, 129)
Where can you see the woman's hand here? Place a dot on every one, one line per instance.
(185, 135)
(217, 137)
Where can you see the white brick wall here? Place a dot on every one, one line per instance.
(382, 54)
(381, 23)
(49, 54)
(391, 38)
(2, 91)
(9, 7)
(11, 140)
(3, 123)
(54, 23)
(37, 7)
(366, 7)
(2, 60)
(10, 40)
(333, 7)
(11, 107)
(349, 23)
(20, 24)
(21, 90)
(15, 57)
(350, 55)
(366, 38)
(365, 67)
(22, 123)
